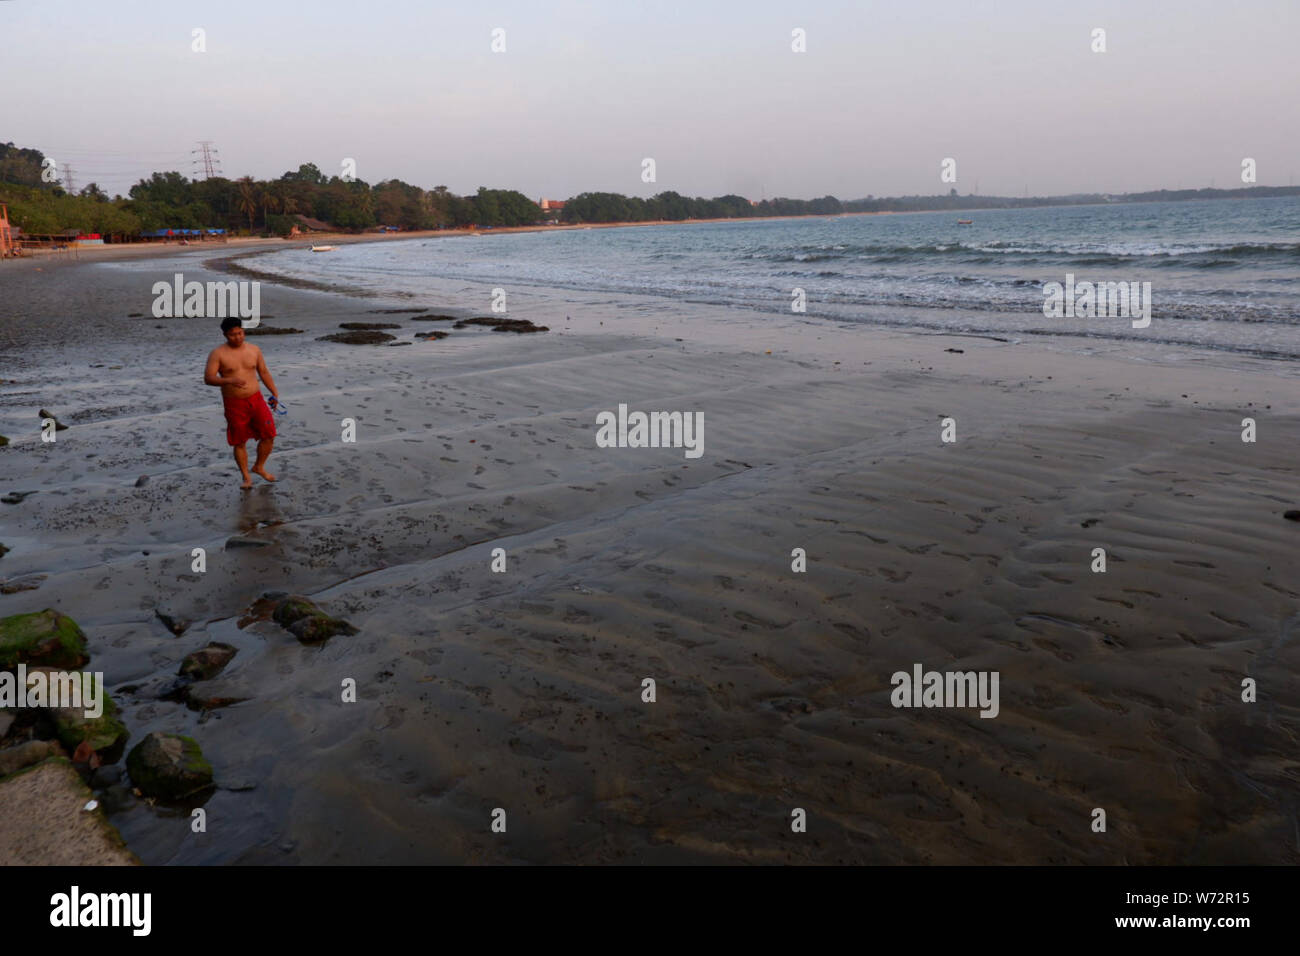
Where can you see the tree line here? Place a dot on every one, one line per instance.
(172, 201)
(613, 207)
(270, 207)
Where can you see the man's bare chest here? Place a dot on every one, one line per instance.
(237, 362)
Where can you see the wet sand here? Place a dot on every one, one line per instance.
(522, 690)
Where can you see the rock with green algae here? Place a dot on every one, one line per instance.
(168, 767)
(105, 734)
(305, 621)
(207, 662)
(44, 637)
(291, 608)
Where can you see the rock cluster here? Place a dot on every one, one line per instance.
(304, 620)
(47, 649)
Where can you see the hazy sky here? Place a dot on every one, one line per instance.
(712, 91)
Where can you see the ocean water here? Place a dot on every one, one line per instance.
(1224, 274)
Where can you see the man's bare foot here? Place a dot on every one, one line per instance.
(248, 482)
(264, 473)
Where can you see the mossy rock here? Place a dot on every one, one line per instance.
(318, 628)
(293, 607)
(3, 441)
(45, 637)
(305, 621)
(106, 734)
(168, 767)
(207, 662)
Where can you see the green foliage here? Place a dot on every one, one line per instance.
(502, 207)
(672, 206)
(279, 224)
(169, 189)
(20, 166)
(606, 207)
(307, 173)
(46, 212)
(400, 204)
(169, 200)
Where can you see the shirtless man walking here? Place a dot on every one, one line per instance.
(235, 367)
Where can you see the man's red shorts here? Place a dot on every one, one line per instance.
(248, 418)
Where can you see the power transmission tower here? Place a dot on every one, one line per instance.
(67, 179)
(210, 161)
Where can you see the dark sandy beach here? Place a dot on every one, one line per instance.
(522, 690)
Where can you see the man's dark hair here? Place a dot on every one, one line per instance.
(230, 323)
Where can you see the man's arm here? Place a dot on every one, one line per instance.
(212, 374)
(265, 373)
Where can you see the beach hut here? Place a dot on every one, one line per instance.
(307, 224)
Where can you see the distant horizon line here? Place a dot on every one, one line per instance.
(1102, 194)
(1207, 191)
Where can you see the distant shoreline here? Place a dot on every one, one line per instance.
(166, 249)
(132, 250)
(254, 244)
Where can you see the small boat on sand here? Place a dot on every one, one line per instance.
(323, 248)
(964, 222)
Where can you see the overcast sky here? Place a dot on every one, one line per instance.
(711, 91)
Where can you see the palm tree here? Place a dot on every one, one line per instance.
(288, 205)
(247, 199)
(270, 203)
